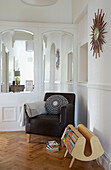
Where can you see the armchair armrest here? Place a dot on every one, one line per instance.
(27, 122)
(67, 115)
(27, 119)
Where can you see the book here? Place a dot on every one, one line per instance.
(54, 143)
(69, 145)
(49, 149)
(65, 136)
(74, 138)
(52, 146)
(69, 140)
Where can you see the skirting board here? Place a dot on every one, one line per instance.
(105, 161)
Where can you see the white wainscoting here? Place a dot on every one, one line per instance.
(99, 116)
(81, 103)
(9, 114)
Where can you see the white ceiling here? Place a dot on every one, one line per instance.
(16, 10)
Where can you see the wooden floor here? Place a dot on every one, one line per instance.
(17, 154)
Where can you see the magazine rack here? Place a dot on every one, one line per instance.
(81, 143)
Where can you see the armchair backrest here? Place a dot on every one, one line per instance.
(69, 96)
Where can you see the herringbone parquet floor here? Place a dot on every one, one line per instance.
(17, 154)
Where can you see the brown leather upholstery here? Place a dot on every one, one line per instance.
(52, 125)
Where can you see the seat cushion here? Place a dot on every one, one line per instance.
(48, 125)
(54, 103)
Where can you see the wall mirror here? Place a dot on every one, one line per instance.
(17, 61)
(57, 56)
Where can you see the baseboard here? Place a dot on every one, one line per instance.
(110, 166)
(105, 161)
(13, 130)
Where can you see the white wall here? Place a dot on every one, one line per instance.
(99, 91)
(15, 10)
(11, 103)
(80, 18)
(83, 30)
(99, 79)
(78, 6)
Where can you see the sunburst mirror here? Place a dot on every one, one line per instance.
(98, 31)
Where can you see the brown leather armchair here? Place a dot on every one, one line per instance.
(52, 125)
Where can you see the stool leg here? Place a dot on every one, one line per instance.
(72, 161)
(66, 153)
(28, 138)
(62, 143)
